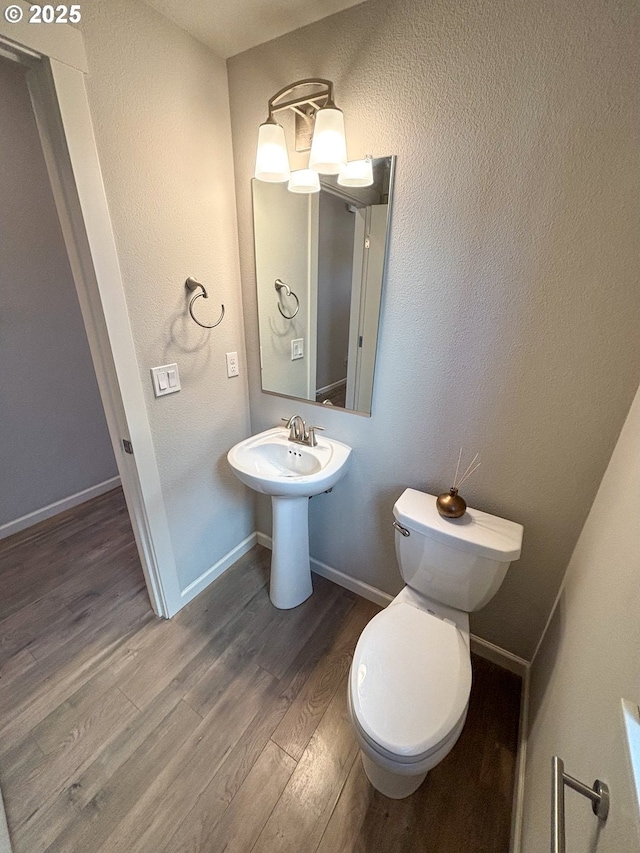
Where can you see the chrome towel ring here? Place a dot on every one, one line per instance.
(192, 284)
(280, 285)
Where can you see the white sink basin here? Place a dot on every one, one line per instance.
(291, 473)
(271, 464)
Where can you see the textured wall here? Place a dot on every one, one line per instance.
(510, 310)
(53, 434)
(159, 102)
(589, 660)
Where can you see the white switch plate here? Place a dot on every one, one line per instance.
(297, 348)
(233, 368)
(166, 379)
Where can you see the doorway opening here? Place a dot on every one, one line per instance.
(56, 457)
(54, 65)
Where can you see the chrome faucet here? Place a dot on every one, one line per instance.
(299, 433)
(297, 428)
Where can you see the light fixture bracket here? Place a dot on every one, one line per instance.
(304, 104)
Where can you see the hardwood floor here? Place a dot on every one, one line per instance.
(224, 729)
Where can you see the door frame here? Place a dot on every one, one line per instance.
(56, 59)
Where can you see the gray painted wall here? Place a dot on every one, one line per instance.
(589, 659)
(510, 310)
(53, 434)
(160, 107)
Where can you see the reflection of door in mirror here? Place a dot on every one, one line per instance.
(335, 262)
(368, 268)
(318, 333)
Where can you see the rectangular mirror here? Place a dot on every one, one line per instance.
(320, 260)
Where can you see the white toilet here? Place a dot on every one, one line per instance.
(410, 677)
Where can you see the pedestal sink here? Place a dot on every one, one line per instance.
(291, 473)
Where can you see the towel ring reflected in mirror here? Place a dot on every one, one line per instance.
(280, 285)
(192, 284)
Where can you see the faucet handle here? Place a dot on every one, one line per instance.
(312, 435)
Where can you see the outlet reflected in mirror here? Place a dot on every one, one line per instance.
(320, 260)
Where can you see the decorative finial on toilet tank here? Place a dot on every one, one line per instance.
(450, 504)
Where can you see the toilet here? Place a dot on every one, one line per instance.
(410, 677)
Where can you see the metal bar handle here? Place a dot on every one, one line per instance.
(598, 794)
(401, 529)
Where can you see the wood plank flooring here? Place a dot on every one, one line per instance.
(224, 729)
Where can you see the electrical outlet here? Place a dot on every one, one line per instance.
(233, 368)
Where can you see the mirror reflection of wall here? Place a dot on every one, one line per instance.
(335, 266)
(328, 248)
(283, 253)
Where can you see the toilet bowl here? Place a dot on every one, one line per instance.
(409, 690)
(410, 677)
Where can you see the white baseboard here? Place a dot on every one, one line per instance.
(365, 590)
(517, 811)
(520, 667)
(218, 568)
(331, 387)
(481, 647)
(49, 511)
(501, 657)
(263, 539)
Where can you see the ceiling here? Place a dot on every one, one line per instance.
(232, 26)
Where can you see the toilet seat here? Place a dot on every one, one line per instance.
(409, 683)
(401, 763)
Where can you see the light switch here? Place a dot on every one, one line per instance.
(297, 348)
(166, 379)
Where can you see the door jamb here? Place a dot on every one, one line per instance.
(56, 58)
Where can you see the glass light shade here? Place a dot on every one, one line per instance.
(304, 181)
(272, 160)
(329, 148)
(356, 173)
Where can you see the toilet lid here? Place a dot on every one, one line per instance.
(410, 680)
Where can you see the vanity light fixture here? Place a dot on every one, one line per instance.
(329, 146)
(357, 173)
(319, 126)
(272, 160)
(304, 181)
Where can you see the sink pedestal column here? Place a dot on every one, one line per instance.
(290, 569)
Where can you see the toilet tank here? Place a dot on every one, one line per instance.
(460, 562)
